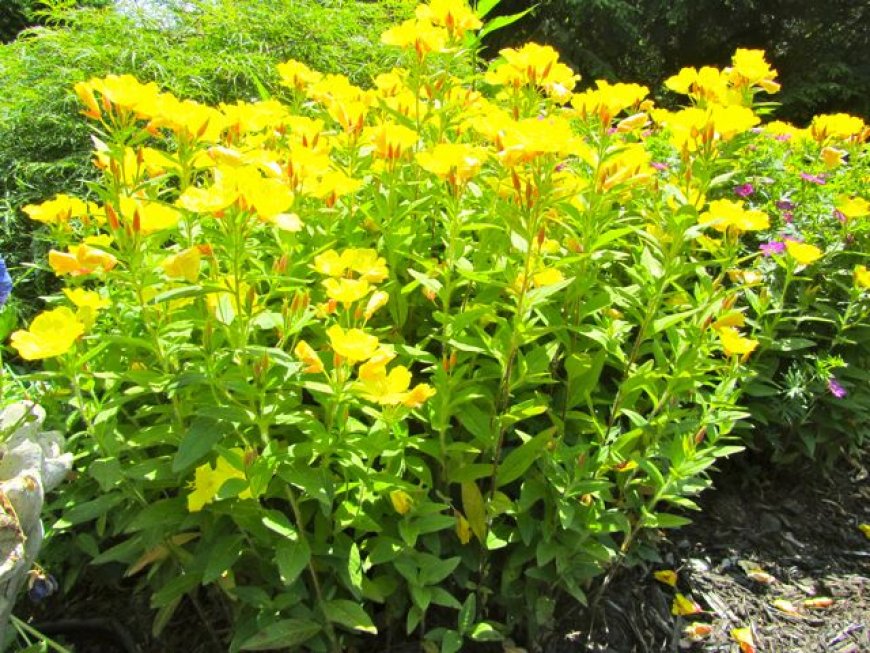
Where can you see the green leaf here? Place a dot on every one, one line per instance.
(475, 509)
(201, 437)
(350, 615)
(292, 559)
(584, 370)
(278, 522)
(84, 512)
(651, 263)
(467, 614)
(354, 567)
(791, 344)
(520, 459)
(483, 7)
(282, 634)
(107, 472)
(663, 323)
(485, 632)
(222, 555)
(502, 21)
(451, 642)
(175, 589)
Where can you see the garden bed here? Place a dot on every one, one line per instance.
(799, 528)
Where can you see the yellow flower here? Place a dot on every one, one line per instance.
(381, 387)
(748, 68)
(862, 276)
(269, 198)
(212, 199)
(629, 165)
(88, 302)
(453, 162)
(853, 207)
(732, 319)
(296, 74)
(52, 333)
(79, 260)
(378, 300)
(608, 100)
(250, 117)
(307, 355)
(346, 291)
(365, 262)
(58, 210)
(666, 576)
(188, 119)
(149, 216)
(802, 252)
(832, 157)
(418, 395)
(354, 344)
(331, 186)
(546, 277)
(402, 502)
(391, 141)
(421, 35)
(734, 343)
(455, 15)
(183, 265)
(725, 215)
(208, 481)
(534, 65)
(122, 92)
(330, 263)
(837, 125)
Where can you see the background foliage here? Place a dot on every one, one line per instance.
(194, 49)
(819, 48)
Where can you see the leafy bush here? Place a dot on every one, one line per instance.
(194, 49)
(426, 358)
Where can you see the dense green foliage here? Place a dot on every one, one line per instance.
(819, 48)
(433, 355)
(201, 54)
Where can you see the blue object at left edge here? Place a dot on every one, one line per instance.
(5, 282)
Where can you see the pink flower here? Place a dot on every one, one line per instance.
(813, 179)
(836, 389)
(772, 247)
(744, 190)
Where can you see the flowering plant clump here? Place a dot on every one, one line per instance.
(411, 360)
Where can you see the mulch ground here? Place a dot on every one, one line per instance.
(777, 552)
(764, 539)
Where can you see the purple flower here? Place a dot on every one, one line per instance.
(836, 389)
(839, 215)
(813, 179)
(782, 138)
(659, 166)
(744, 190)
(788, 217)
(785, 205)
(5, 282)
(772, 247)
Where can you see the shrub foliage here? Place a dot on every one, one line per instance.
(423, 359)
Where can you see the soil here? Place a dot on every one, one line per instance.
(762, 536)
(799, 529)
